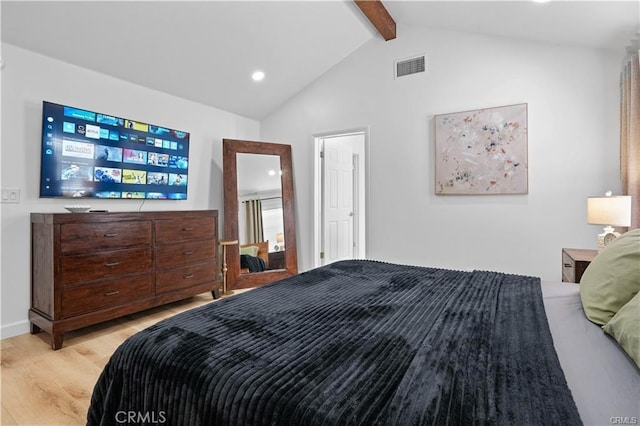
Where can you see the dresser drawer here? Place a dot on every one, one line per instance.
(89, 267)
(177, 230)
(168, 256)
(93, 297)
(85, 237)
(186, 277)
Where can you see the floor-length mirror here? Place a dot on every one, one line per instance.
(258, 212)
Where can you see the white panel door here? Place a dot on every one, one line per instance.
(338, 201)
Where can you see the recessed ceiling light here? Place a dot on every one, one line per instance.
(541, 1)
(257, 76)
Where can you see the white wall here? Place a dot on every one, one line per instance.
(27, 80)
(572, 96)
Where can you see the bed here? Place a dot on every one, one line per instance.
(365, 342)
(604, 381)
(254, 257)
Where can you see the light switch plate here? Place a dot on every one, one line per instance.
(10, 195)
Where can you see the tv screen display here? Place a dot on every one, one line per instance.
(95, 155)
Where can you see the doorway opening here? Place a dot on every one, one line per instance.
(340, 171)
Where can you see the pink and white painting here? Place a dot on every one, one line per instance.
(482, 151)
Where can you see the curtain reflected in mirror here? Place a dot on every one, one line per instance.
(253, 221)
(259, 213)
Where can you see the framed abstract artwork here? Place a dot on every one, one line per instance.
(482, 151)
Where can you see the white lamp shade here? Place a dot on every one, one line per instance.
(612, 210)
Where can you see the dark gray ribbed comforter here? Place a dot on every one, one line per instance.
(355, 342)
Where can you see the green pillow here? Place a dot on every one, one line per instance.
(625, 328)
(250, 250)
(612, 278)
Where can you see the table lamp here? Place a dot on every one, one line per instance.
(279, 241)
(609, 210)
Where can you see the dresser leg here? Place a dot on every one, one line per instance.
(35, 329)
(216, 293)
(56, 341)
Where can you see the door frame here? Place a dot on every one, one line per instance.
(361, 225)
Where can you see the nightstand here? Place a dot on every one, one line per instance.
(276, 260)
(574, 263)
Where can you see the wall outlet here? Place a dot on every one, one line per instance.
(10, 195)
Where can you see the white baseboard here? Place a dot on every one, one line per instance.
(14, 329)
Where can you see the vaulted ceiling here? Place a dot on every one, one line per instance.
(206, 51)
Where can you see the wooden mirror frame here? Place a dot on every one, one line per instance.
(230, 149)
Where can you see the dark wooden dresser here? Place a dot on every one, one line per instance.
(93, 267)
(276, 260)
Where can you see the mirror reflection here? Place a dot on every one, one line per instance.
(260, 213)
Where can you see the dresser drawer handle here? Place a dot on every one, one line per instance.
(188, 252)
(111, 264)
(186, 277)
(112, 293)
(115, 234)
(187, 229)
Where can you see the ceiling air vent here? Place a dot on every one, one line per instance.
(410, 66)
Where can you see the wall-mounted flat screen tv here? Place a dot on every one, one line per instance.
(94, 155)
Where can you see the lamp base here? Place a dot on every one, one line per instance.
(227, 293)
(606, 237)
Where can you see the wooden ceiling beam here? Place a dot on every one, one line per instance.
(375, 12)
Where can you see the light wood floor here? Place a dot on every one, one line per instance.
(40, 386)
